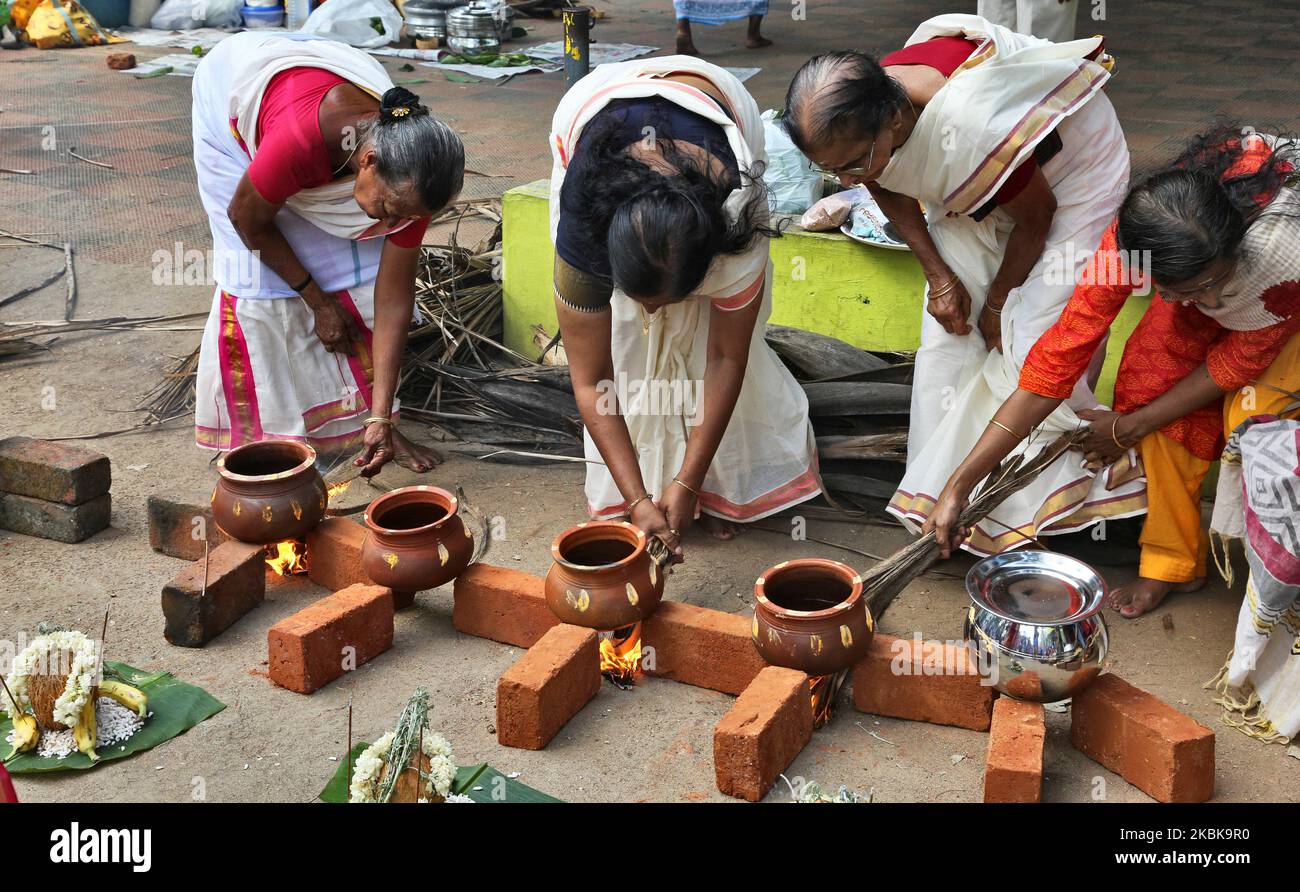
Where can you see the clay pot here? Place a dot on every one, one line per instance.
(416, 539)
(810, 616)
(602, 576)
(268, 492)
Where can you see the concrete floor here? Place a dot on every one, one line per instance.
(653, 743)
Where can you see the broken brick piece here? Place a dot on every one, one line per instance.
(701, 647)
(121, 61)
(177, 529)
(323, 641)
(334, 554)
(1164, 753)
(54, 520)
(236, 583)
(55, 472)
(501, 604)
(762, 733)
(547, 686)
(1013, 771)
(926, 681)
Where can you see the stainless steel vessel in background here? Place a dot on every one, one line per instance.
(473, 29)
(1035, 619)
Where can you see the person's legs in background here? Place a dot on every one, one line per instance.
(1049, 19)
(685, 42)
(753, 39)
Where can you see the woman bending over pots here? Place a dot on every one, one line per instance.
(1218, 236)
(663, 290)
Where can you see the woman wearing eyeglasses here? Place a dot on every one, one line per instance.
(1000, 162)
(1218, 234)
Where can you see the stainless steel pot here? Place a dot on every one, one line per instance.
(1035, 619)
(427, 19)
(473, 29)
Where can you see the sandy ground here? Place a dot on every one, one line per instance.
(653, 743)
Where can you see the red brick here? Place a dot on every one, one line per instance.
(306, 651)
(701, 647)
(1164, 753)
(547, 686)
(177, 529)
(55, 520)
(55, 472)
(924, 681)
(334, 554)
(236, 574)
(760, 736)
(501, 605)
(1013, 771)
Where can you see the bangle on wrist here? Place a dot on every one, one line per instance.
(690, 489)
(377, 419)
(996, 423)
(1114, 435)
(303, 286)
(637, 501)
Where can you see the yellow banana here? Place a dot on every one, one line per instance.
(26, 734)
(131, 698)
(84, 732)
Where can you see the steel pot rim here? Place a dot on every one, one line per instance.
(1094, 601)
(405, 495)
(843, 572)
(308, 453)
(625, 528)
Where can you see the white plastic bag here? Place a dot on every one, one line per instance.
(791, 182)
(362, 23)
(185, 15)
(832, 210)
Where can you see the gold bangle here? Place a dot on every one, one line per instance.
(996, 311)
(637, 501)
(1115, 424)
(690, 489)
(940, 292)
(1005, 428)
(377, 419)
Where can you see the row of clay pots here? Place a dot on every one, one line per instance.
(809, 614)
(270, 491)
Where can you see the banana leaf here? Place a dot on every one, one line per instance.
(174, 708)
(482, 783)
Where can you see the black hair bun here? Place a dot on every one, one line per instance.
(398, 103)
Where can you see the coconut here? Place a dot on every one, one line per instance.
(409, 787)
(44, 690)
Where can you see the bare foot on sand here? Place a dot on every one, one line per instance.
(719, 528)
(753, 39)
(1143, 595)
(414, 457)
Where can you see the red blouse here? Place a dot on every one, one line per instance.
(291, 151)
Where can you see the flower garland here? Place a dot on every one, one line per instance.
(371, 762)
(45, 656)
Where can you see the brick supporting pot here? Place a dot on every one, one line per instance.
(327, 639)
(501, 604)
(762, 733)
(547, 686)
(236, 583)
(177, 529)
(1013, 770)
(701, 647)
(925, 681)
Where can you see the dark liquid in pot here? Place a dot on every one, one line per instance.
(261, 464)
(410, 517)
(806, 592)
(599, 553)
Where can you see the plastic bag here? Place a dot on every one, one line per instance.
(832, 210)
(56, 23)
(184, 15)
(792, 183)
(363, 23)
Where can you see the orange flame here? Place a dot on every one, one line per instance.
(824, 688)
(335, 488)
(620, 655)
(287, 558)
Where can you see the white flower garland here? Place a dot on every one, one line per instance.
(42, 657)
(371, 762)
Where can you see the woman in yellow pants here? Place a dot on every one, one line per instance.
(1218, 235)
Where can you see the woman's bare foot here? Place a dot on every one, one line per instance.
(412, 456)
(753, 39)
(1144, 595)
(720, 528)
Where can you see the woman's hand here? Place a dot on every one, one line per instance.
(943, 520)
(991, 327)
(334, 326)
(949, 303)
(1099, 446)
(678, 505)
(376, 448)
(652, 521)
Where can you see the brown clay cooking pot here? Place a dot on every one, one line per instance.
(415, 539)
(809, 615)
(268, 492)
(602, 576)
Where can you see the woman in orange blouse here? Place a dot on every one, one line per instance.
(1218, 235)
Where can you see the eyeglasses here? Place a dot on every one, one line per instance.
(1173, 296)
(835, 174)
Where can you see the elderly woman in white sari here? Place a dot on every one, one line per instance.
(1001, 163)
(663, 287)
(319, 178)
